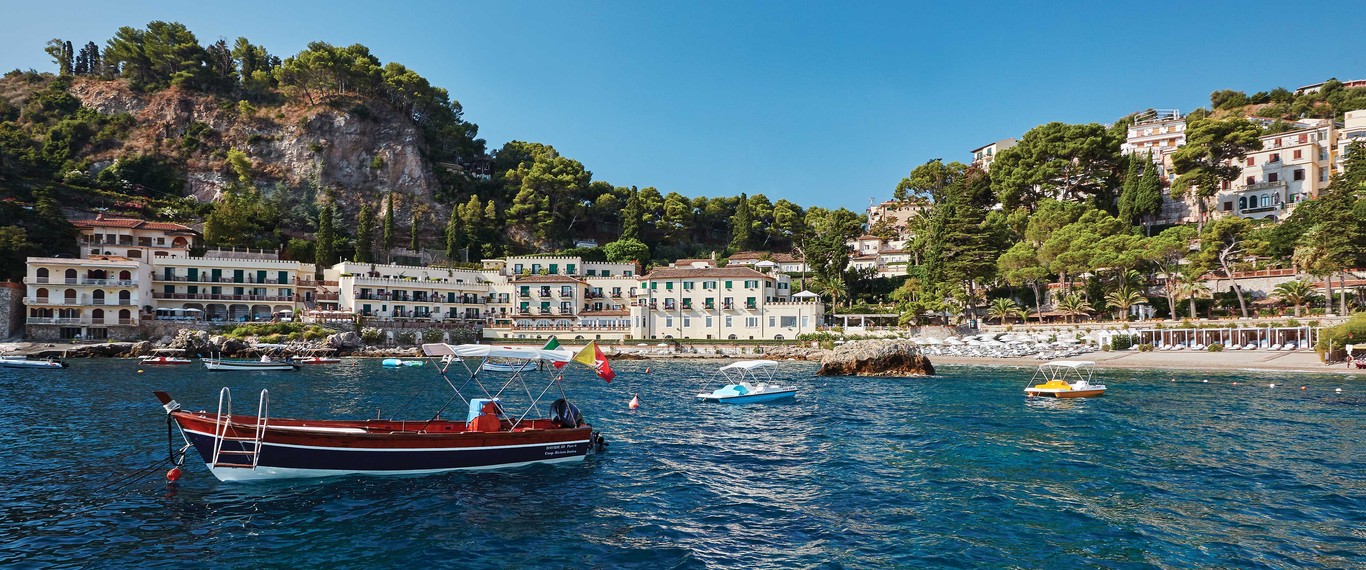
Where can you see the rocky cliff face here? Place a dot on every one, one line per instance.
(368, 147)
(898, 358)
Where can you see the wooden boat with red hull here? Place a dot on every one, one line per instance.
(245, 447)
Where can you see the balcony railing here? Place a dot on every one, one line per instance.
(219, 297)
(208, 279)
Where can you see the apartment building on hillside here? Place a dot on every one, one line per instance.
(984, 155)
(1292, 167)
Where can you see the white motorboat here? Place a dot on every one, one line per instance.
(748, 382)
(1064, 379)
(319, 356)
(266, 362)
(165, 356)
(24, 362)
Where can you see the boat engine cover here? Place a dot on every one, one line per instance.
(565, 414)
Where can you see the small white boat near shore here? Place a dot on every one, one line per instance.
(24, 362)
(165, 356)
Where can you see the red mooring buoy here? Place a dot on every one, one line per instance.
(635, 402)
(173, 475)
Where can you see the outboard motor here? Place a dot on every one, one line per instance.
(565, 414)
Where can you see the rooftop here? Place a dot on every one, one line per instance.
(681, 273)
(131, 223)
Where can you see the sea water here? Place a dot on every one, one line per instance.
(957, 470)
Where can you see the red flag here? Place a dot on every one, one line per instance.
(592, 357)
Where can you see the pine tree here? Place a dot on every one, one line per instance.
(742, 225)
(325, 253)
(388, 243)
(365, 235)
(630, 216)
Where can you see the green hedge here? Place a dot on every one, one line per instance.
(1334, 340)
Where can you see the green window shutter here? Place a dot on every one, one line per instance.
(728, 284)
(669, 285)
(554, 269)
(193, 274)
(569, 269)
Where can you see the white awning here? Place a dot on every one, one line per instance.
(749, 364)
(806, 295)
(1070, 363)
(489, 350)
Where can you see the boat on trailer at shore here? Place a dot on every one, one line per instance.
(500, 430)
(1064, 379)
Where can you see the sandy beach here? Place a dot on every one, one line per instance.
(1181, 360)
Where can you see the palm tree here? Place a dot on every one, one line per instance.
(1023, 314)
(1123, 298)
(1296, 293)
(1074, 304)
(830, 285)
(1002, 308)
(1190, 288)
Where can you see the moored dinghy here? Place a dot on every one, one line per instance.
(1064, 379)
(168, 356)
(748, 382)
(496, 433)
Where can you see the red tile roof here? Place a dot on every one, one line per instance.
(131, 223)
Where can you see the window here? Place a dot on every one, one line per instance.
(1242, 204)
(1303, 138)
(669, 285)
(606, 273)
(569, 269)
(1298, 154)
(1251, 161)
(729, 322)
(788, 321)
(687, 285)
(1251, 180)
(592, 273)
(1273, 177)
(1275, 156)
(751, 322)
(668, 322)
(772, 321)
(1298, 174)
(687, 322)
(554, 269)
(729, 284)
(708, 321)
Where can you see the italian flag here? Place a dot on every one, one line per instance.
(554, 344)
(592, 357)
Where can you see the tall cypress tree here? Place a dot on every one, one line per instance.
(742, 225)
(365, 235)
(388, 242)
(630, 216)
(1128, 192)
(453, 234)
(325, 253)
(1148, 195)
(415, 244)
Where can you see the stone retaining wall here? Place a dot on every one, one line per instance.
(11, 310)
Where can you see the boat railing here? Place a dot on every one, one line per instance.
(262, 411)
(220, 427)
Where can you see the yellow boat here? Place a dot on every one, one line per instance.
(1064, 379)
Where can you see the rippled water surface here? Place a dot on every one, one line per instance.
(959, 470)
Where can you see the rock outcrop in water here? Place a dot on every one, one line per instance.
(897, 358)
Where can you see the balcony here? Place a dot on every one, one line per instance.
(545, 310)
(219, 297)
(1264, 186)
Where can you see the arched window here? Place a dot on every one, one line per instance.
(70, 296)
(71, 276)
(1276, 198)
(97, 316)
(98, 297)
(125, 275)
(124, 316)
(42, 274)
(125, 298)
(1242, 202)
(1266, 200)
(41, 293)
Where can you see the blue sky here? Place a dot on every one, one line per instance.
(822, 103)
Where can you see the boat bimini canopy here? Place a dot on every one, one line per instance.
(749, 364)
(1070, 363)
(490, 351)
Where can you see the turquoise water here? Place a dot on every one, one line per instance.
(959, 470)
